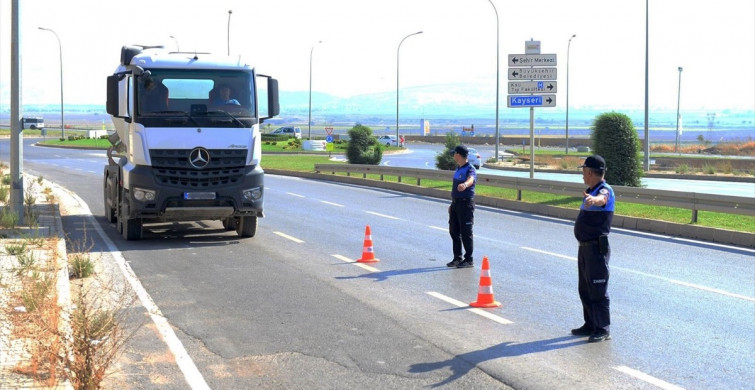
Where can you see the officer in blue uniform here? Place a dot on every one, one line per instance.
(461, 210)
(591, 230)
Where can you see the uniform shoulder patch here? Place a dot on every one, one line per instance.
(603, 191)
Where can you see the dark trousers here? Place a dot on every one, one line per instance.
(593, 285)
(460, 222)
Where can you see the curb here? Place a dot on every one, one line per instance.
(703, 233)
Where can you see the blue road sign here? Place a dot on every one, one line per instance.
(532, 101)
(329, 139)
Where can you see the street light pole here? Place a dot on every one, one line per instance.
(397, 71)
(309, 122)
(678, 99)
(497, 75)
(175, 39)
(647, 133)
(60, 51)
(228, 39)
(568, 48)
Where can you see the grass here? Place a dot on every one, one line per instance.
(705, 218)
(303, 163)
(306, 163)
(94, 143)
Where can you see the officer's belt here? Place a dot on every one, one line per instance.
(460, 199)
(588, 243)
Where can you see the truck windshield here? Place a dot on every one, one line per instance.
(211, 98)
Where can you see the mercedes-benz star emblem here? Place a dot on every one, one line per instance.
(199, 158)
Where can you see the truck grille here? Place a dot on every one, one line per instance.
(172, 167)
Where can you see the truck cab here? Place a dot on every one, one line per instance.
(187, 145)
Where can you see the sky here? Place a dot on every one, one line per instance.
(713, 41)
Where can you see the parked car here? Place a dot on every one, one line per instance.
(389, 140)
(474, 158)
(294, 132)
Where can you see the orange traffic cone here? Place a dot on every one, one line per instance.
(485, 292)
(368, 255)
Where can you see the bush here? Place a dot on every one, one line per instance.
(363, 147)
(445, 160)
(615, 138)
(81, 266)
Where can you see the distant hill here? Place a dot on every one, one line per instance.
(450, 106)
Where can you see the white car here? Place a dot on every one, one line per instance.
(388, 140)
(292, 132)
(474, 158)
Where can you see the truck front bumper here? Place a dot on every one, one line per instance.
(154, 201)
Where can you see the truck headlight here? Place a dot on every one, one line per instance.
(252, 193)
(141, 195)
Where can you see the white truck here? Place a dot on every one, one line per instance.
(187, 144)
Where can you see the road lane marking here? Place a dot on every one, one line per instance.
(475, 310)
(348, 260)
(191, 373)
(331, 203)
(549, 253)
(438, 228)
(296, 195)
(647, 378)
(294, 239)
(713, 290)
(381, 215)
(672, 281)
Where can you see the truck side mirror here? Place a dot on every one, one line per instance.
(272, 97)
(117, 96)
(112, 95)
(273, 107)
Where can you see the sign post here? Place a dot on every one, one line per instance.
(538, 91)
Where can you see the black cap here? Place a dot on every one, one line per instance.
(594, 162)
(462, 150)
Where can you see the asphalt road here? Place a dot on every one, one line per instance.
(288, 309)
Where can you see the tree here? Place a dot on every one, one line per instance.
(444, 159)
(363, 147)
(615, 138)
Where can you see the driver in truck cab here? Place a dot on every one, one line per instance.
(223, 96)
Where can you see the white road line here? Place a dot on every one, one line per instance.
(475, 310)
(296, 195)
(193, 377)
(348, 260)
(331, 203)
(673, 281)
(549, 253)
(713, 290)
(438, 228)
(294, 239)
(647, 378)
(381, 215)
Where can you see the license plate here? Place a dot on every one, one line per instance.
(199, 195)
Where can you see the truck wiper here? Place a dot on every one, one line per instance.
(233, 118)
(178, 116)
(165, 112)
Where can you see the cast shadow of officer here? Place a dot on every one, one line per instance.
(460, 365)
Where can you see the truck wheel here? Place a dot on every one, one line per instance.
(230, 223)
(131, 228)
(110, 212)
(247, 226)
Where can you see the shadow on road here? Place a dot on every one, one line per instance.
(460, 365)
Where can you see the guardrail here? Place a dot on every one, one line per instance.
(684, 200)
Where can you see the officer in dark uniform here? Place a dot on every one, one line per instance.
(591, 230)
(461, 210)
